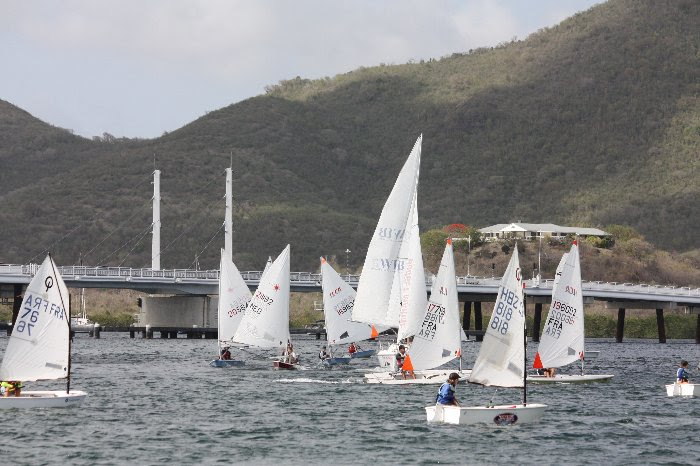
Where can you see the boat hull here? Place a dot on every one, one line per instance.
(426, 377)
(363, 354)
(566, 378)
(683, 389)
(503, 415)
(335, 361)
(284, 365)
(226, 363)
(43, 399)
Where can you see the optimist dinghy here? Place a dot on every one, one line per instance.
(683, 389)
(562, 339)
(39, 347)
(501, 361)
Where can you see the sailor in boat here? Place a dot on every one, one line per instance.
(225, 354)
(547, 371)
(323, 354)
(446, 394)
(682, 373)
(11, 388)
(352, 349)
(288, 355)
(400, 358)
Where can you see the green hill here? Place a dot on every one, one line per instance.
(591, 122)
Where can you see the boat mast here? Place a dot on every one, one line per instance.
(53, 267)
(525, 347)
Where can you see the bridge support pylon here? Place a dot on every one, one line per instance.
(478, 325)
(467, 319)
(620, 325)
(660, 325)
(537, 323)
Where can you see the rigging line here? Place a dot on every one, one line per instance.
(136, 212)
(101, 261)
(207, 245)
(186, 230)
(143, 235)
(80, 224)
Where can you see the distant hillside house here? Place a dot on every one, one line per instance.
(535, 230)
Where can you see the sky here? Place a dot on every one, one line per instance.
(137, 68)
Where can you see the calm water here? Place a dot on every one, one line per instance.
(157, 401)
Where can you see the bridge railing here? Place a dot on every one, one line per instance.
(78, 271)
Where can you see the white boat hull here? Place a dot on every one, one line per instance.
(683, 389)
(427, 377)
(43, 399)
(566, 378)
(387, 358)
(503, 415)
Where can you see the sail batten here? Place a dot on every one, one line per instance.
(39, 344)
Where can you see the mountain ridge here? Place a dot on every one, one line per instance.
(590, 122)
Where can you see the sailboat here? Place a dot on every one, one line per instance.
(683, 389)
(233, 299)
(501, 360)
(265, 323)
(438, 340)
(39, 347)
(562, 339)
(338, 300)
(391, 288)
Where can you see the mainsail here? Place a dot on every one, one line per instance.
(378, 298)
(437, 340)
(38, 347)
(338, 301)
(562, 339)
(265, 323)
(500, 361)
(233, 298)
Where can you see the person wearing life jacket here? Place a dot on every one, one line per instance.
(446, 394)
(323, 355)
(682, 373)
(225, 354)
(352, 349)
(11, 388)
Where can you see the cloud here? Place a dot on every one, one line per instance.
(127, 51)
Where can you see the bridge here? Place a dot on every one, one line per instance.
(203, 283)
(206, 282)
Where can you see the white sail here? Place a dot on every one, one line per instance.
(563, 335)
(414, 299)
(557, 274)
(265, 323)
(233, 298)
(338, 301)
(38, 348)
(438, 338)
(500, 361)
(380, 278)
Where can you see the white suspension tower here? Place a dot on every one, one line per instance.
(155, 246)
(228, 221)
